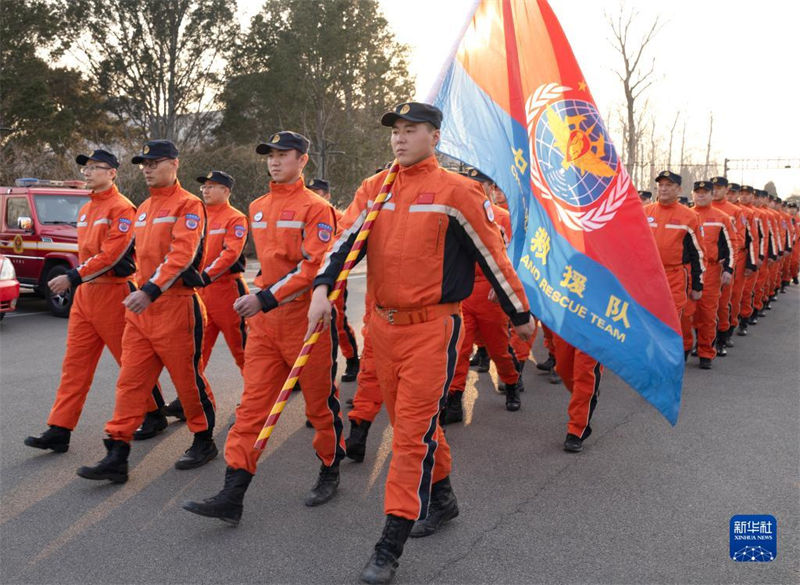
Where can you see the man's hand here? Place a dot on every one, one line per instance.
(247, 305)
(526, 331)
(695, 295)
(137, 301)
(59, 285)
(727, 277)
(319, 308)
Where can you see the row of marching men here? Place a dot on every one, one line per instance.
(728, 255)
(157, 285)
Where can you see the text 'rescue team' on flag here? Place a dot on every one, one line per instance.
(516, 106)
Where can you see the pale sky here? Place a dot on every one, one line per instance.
(737, 58)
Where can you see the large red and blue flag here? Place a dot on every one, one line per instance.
(516, 106)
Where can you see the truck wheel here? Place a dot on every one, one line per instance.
(59, 305)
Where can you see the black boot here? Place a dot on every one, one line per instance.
(513, 402)
(55, 438)
(203, 450)
(705, 363)
(114, 466)
(573, 443)
(553, 377)
(443, 508)
(174, 409)
(356, 443)
(742, 331)
(326, 486)
(153, 424)
(795, 280)
(383, 563)
(728, 335)
(453, 410)
(480, 361)
(548, 364)
(351, 370)
(227, 504)
(719, 345)
(754, 318)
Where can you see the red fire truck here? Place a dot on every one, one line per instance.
(38, 233)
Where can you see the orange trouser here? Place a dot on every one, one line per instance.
(96, 319)
(347, 337)
(488, 320)
(368, 398)
(794, 263)
(748, 293)
(687, 324)
(273, 343)
(548, 339)
(724, 312)
(218, 297)
(738, 290)
(705, 317)
(678, 280)
(761, 285)
(415, 365)
(168, 333)
(581, 375)
(786, 270)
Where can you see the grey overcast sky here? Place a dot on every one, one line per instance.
(736, 58)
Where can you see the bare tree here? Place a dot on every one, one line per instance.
(671, 136)
(636, 78)
(683, 146)
(708, 146)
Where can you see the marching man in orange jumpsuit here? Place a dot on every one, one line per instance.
(771, 250)
(676, 230)
(727, 313)
(292, 229)
(102, 281)
(222, 272)
(421, 259)
(747, 311)
(719, 263)
(483, 316)
(165, 318)
(348, 344)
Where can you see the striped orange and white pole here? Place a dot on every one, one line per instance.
(341, 280)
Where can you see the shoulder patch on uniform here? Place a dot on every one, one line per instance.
(239, 231)
(258, 216)
(192, 220)
(142, 216)
(650, 219)
(82, 217)
(487, 207)
(124, 224)
(324, 232)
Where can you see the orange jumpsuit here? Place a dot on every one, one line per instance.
(487, 319)
(760, 237)
(770, 255)
(368, 398)
(675, 229)
(421, 260)
(169, 232)
(741, 300)
(794, 265)
(292, 228)
(97, 317)
(719, 257)
(222, 273)
(788, 247)
(581, 374)
(348, 344)
(726, 313)
(774, 267)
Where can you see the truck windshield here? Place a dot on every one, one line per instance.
(55, 209)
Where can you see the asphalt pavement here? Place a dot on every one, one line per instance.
(643, 503)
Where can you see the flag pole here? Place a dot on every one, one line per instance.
(341, 280)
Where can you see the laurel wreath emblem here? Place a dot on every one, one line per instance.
(592, 219)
